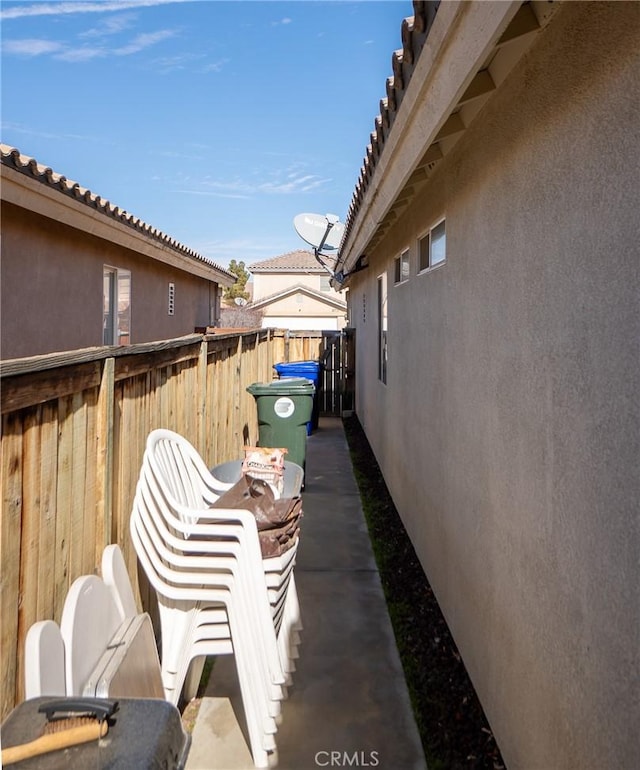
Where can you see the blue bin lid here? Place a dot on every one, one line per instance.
(297, 365)
(309, 369)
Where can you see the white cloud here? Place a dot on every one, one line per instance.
(144, 40)
(216, 66)
(111, 26)
(81, 54)
(63, 52)
(63, 8)
(20, 129)
(282, 183)
(246, 249)
(31, 47)
(164, 64)
(213, 194)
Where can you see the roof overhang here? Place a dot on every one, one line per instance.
(335, 302)
(435, 93)
(33, 195)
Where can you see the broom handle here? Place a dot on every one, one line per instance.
(54, 741)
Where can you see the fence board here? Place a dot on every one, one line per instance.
(104, 458)
(78, 468)
(22, 391)
(63, 503)
(29, 541)
(11, 468)
(92, 532)
(47, 551)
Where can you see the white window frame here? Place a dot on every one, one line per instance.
(428, 237)
(383, 327)
(402, 267)
(116, 293)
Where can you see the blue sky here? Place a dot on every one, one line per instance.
(216, 122)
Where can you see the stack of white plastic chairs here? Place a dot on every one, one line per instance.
(215, 592)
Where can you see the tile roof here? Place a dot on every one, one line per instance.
(11, 157)
(414, 32)
(294, 261)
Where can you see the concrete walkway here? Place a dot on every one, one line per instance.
(348, 705)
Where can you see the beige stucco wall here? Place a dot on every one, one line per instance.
(298, 310)
(267, 284)
(52, 288)
(508, 431)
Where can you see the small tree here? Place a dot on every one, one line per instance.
(239, 287)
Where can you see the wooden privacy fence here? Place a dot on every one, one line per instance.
(74, 426)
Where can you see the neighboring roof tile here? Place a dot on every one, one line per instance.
(286, 263)
(13, 158)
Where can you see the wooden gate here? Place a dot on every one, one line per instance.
(337, 388)
(336, 350)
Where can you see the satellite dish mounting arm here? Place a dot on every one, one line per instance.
(310, 226)
(332, 220)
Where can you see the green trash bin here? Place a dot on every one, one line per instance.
(284, 409)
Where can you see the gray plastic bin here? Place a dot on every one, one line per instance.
(232, 471)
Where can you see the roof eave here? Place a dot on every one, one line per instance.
(433, 90)
(51, 197)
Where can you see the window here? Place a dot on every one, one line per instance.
(116, 306)
(432, 247)
(171, 300)
(382, 327)
(401, 267)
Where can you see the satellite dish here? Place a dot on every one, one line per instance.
(240, 301)
(322, 231)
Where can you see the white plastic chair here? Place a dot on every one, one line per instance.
(188, 481)
(89, 621)
(215, 592)
(44, 660)
(182, 608)
(202, 563)
(223, 535)
(198, 581)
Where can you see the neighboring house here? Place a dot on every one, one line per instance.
(79, 272)
(497, 370)
(293, 291)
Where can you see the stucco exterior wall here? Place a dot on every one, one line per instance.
(508, 430)
(266, 284)
(298, 309)
(52, 289)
